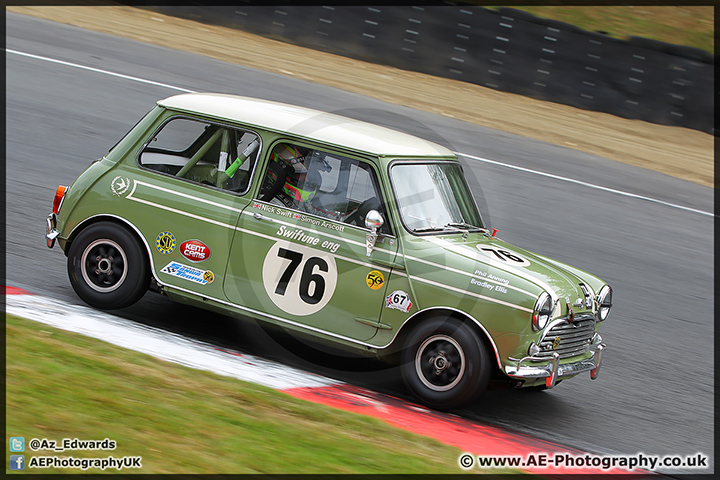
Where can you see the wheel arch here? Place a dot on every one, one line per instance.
(423, 315)
(120, 221)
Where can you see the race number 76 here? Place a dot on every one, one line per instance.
(504, 255)
(308, 277)
(298, 279)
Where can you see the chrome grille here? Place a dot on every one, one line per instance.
(575, 339)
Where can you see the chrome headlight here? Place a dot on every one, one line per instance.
(604, 300)
(542, 311)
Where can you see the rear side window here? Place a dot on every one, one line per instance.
(179, 135)
(201, 152)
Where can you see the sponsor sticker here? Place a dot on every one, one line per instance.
(165, 242)
(120, 185)
(195, 250)
(375, 279)
(196, 275)
(299, 235)
(398, 300)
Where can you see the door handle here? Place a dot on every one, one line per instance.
(260, 216)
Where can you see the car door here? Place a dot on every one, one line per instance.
(300, 256)
(188, 195)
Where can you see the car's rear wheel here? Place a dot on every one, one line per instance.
(444, 363)
(107, 266)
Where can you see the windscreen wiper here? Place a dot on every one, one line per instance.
(466, 226)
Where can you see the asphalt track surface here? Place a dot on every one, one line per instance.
(649, 235)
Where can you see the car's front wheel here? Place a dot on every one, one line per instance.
(107, 266)
(444, 363)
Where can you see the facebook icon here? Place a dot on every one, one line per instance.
(17, 462)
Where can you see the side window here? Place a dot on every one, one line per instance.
(320, 183)
(203, 152)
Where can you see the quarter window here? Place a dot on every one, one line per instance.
(202, 152)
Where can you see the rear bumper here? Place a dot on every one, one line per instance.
(552, 371)
(51, 232)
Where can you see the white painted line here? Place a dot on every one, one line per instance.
(585, 184)
(494, 162)
(185, 195)
(159, 343)
(97, 70)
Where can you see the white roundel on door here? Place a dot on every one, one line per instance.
(298, 279)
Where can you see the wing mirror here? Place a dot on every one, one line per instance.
(373, 221)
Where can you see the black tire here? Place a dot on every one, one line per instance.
(444, 363)
(107, 266)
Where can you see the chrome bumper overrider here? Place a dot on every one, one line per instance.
(553, 370)
(51, 232)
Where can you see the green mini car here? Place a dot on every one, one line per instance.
(351, 233)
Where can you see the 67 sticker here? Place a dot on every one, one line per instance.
(398, 300)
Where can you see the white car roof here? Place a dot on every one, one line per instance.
(305, 122)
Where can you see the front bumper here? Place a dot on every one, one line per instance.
(553, 370)
(51, 232)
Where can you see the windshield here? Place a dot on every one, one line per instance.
(434, 198)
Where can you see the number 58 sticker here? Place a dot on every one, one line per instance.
(298, 279)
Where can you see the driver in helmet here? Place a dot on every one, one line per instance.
(301, 170)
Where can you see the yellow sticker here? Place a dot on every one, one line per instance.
(375, 279)
(208, 276)
(165, 243)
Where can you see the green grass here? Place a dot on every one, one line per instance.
(682, 25)
(180, 420)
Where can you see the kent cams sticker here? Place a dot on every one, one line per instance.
(195, 250)
(192, 274)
